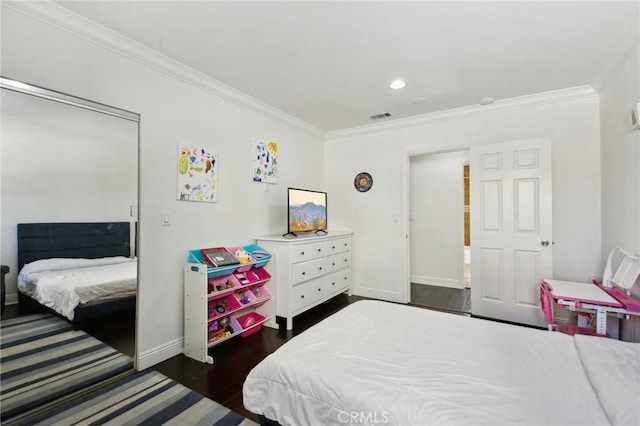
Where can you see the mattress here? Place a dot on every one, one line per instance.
(63, 284)
(382, 363)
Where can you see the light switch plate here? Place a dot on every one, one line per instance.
(165, 219)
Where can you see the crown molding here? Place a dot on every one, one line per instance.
(84, 28)
(528, 101)
(628, 46)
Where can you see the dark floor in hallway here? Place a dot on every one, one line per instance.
(441, 298)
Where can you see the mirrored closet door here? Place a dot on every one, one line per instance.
(68, 160)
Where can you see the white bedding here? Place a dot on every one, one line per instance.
(63, 284)
(383, 363)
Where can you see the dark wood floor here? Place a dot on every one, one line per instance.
(441, 298)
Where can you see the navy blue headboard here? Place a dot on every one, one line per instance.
(82, 240)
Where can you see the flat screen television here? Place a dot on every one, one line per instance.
(307, 211)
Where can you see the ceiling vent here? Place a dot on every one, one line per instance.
(379, 116)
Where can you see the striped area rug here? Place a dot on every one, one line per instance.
(42, 358)
(143, 398)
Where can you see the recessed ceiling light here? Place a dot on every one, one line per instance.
(397, 84)
(486, 101)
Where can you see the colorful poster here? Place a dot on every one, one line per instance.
(265, 162)
(197, 174)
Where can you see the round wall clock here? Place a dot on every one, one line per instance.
(363, 182)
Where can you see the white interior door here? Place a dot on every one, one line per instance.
(511, 242)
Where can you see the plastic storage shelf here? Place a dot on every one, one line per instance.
(220, 302)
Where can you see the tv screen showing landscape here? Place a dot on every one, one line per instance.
(307, 210)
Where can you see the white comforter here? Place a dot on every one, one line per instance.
(382, 363)
(62, 284)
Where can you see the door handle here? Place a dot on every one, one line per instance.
(544, 243)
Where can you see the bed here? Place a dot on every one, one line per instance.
(79, 271)
(382, 363)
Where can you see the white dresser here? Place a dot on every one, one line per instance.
(307, 270)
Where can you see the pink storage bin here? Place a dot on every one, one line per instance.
(245, 298)
(222, 306)
(244, 256)
(217, 286)
(261, 293)
(250, 320)
(253, 276)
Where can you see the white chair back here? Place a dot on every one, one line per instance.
(625, 275)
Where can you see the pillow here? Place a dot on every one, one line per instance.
(58, 264)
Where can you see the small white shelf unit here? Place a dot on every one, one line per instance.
(215, 312)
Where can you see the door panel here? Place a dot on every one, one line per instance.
(511, 190)
(491, 207)
(526, 197)
(491, 265)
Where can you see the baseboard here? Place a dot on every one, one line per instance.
(440, 282)
(158, 354)
(12, 299)
(373, 293)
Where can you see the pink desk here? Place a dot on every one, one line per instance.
(591, 297)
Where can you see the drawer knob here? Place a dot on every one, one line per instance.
(319, 250)
(303, 272)
(301, 253)
(345, 278)
(346, 260)
(319, 289)
(320, 267)
(333, 264)
(302, 297)
(333, 283)
(333, 247)
(345, 244)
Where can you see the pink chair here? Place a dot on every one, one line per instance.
(546, 303)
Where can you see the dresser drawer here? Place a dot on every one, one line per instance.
(305, 271)
(337, 282)
(309, 251)
(338, 245)
(306, 293)
(338, 261)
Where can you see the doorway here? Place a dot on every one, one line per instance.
(467, 227)
(437, 232)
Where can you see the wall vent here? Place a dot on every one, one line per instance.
(379, 116)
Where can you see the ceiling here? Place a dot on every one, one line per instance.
(329, 63)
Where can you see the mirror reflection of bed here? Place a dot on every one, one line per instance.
(69, 176)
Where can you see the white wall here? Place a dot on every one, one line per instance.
(621, 159)
(172, 111)
(573, 127)
(436, 212)
(61, 163)
(621, 169)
